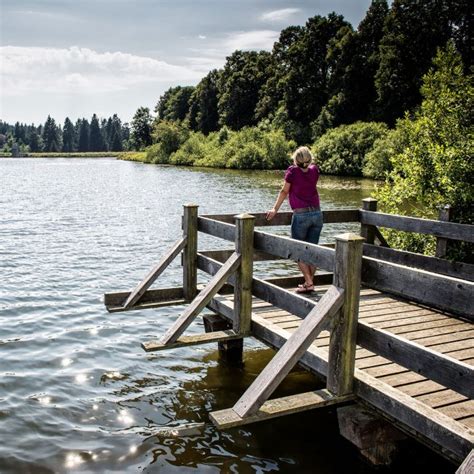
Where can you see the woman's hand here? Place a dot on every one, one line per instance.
(271, 214)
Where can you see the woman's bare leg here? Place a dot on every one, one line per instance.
(308, 272)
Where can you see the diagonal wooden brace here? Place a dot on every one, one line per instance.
(201, 301)
(215, 336)
(287, 357)
(279, 407)
(155, 272)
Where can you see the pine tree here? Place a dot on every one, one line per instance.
(83, 140)
(68, 136)
(51, 136)
(96, 140)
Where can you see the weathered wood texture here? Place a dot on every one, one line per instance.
(438, 367)
(114, 302)
(190, 233)
(445, 214)
(243, 276)
(447, 230)
(284, 218)
(411, 414)
(154, 273)
(439, 291)
(200, 302)
(287, 357)
(289, 405)
(344, 325)
(285, 247)
(467, 466)
(197, 339)
(460, 270)
(368, 231)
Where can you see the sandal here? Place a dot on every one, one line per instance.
(305, 288)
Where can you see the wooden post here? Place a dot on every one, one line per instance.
(368, 231)
(342, 343)
(244, 224)
(445, 214)
(190, 214)
(230, 351)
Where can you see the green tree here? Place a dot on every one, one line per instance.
(96, 140)
(116, 140)
(68, 136)
(51, 141)
(83, 136)
(203, 114)
(34, 141)
(141, 128)
(436, 165)
(239, 84)
(174, 103)
(412, 33)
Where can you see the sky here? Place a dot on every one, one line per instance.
(73, 58)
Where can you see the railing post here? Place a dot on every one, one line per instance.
(445, 214)
(368, 231)
(190, 214)
(342, 344)
(244, 224)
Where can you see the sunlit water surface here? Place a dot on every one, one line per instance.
(77, 393)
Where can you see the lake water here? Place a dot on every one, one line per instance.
(77, 393)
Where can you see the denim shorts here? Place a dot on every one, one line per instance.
(307, 226)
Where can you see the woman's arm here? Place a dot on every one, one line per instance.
(281, 197)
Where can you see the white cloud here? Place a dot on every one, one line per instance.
(81, 70)
(260, 39)
(202, 37)
(279, 15)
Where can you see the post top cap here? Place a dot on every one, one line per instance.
(349, 237)
(190, 204)
(244, 215)
(369, 199)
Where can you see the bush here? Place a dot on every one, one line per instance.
(378, 161)
(343, 149)
(169, 136)
(249, 148)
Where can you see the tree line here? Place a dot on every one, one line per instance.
(321, 75)
(82, 136)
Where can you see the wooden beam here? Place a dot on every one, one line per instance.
(380, 238)
(243, 276)
(285, 247)
(287, 357)
(217, 229)
(447, 230)
(284, 218)
(440, 291)
(206, 338)
(440, 368)
(368, 231)
(342, 343)
(467, 466)
(190, 233)
(408, 413)
(445, 214)
(114, 301)
(200, 302)
(155, 272)
(276, 407)
(464, 271)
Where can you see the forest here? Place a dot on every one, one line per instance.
(391, 99)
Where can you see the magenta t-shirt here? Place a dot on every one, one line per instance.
(303, 192)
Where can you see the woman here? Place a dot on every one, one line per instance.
(307, 221)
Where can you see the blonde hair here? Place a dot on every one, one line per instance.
(302, 154)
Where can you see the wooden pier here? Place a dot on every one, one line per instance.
(390, 331)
